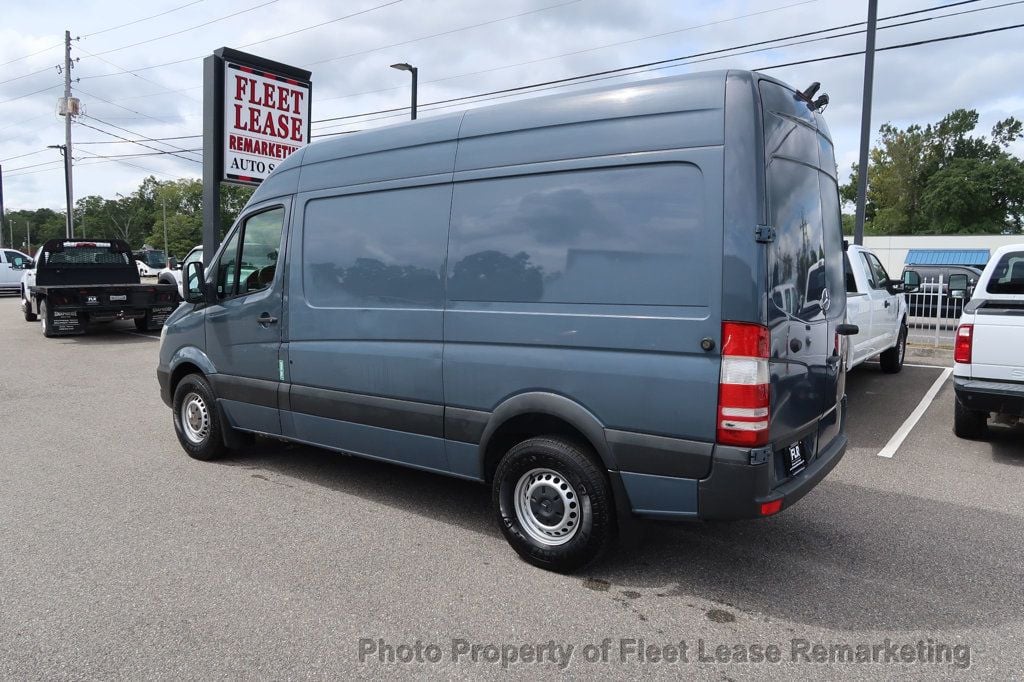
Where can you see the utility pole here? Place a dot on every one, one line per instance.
(28, 239)
(67, 136)
(865, 123)
(12, 234)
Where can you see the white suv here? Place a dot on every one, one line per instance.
(988, 377)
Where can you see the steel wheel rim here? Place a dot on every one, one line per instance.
(547, 507)
(195, 418)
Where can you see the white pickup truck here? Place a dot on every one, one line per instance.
(988, 375)
(877, 306)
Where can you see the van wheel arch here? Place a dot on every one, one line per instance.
(529, 415)
(182, 371)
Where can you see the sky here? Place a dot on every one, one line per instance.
(138, 66)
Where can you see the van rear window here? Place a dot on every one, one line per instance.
(1008, 276)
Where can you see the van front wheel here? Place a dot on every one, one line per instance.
(553, 503)
(196, 419)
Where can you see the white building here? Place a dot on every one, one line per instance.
(893, 251)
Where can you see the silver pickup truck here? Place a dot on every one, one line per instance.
(988, 376)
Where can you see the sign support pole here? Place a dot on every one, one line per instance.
(213, 152)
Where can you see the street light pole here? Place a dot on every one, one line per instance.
(69, 227)
(415, 80)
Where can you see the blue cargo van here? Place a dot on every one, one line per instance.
(569, 298)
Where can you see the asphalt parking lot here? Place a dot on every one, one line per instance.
(121, 557)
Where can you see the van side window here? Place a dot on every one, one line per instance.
(633, 236)
(384, 249)
(253, 269)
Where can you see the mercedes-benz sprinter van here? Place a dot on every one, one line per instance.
(568, 298)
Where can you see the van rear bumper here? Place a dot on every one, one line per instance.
(736, 489)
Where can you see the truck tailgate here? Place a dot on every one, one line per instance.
(998, 340)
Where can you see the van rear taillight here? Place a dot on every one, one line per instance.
(964, 341)
(744, 385)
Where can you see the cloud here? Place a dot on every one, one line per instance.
(551, 39)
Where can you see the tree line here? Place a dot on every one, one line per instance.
(941, 178)
(137, 218)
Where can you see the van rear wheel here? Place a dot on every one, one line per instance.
(553, 503)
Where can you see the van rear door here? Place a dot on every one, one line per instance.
(808, 380)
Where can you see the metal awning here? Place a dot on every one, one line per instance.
(948, 257)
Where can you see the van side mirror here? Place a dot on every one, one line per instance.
(194, 283)
(911, 281)
(958, 286)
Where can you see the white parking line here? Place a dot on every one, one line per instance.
(901, 434)
(145, 336)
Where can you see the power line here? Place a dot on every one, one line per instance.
(190, 28)
(29, 94)
(33, 54)
(132, 132)
(35, 165)
(443, 33)
(115, 104)
(124, 70)
(189, 59)
(106, 132)
(139, 21)
(640, 68)
(133, 165)
(551, 85)
(666, 33)
(18, 78)
(145, 139)
(323, 23)
(21, 156)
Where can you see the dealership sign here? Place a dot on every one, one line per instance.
(257, 114)
(266, 118)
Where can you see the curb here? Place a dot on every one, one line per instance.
(930, 355)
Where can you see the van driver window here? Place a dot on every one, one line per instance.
(255, 267)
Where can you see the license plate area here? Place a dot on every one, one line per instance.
(793, 459)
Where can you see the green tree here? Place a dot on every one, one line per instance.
(943, 179)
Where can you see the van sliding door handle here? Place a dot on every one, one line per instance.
(266, 319)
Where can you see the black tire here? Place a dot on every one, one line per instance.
(44, 318)
(203, 437)
(575, 497)
(968, 423)
(26, 307)
(892, 359)
(142, 323)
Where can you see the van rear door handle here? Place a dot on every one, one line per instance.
(266, 319)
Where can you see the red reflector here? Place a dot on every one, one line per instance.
(964, 341)
(769, 508)
(742, 339)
